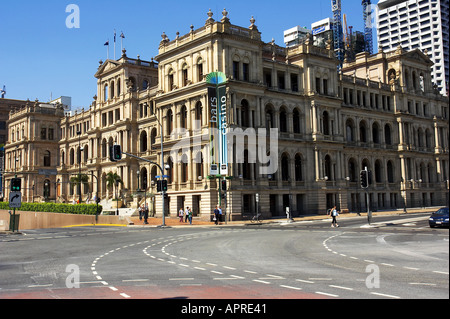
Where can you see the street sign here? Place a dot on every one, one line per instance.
(15, 199)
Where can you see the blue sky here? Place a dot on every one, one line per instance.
(40, 56)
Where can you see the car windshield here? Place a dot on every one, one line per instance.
(442, 211)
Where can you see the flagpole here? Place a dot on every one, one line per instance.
(107, 51)
(114, 44)
(121, 41)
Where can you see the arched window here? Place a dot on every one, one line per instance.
(430, 173)
(105, 93)
(200, 70)
(269, 118)
(118, 87)
(72, 156)
(390, 172)
(184, 168)
(349, 130)
(428, 138)
(387, 135)
(420, 139)
(112, 90)
(298, 168)
(47, 159)
(104, 148)
(153, 138)
(327, 165)
(199, 165)
(183, 117)
(143, 141)
(198, 115)
(378, 174)
(246, 166)
(169, 127)
(296, 121)
(185, 75)
(326, 123)
(283, 120)
(86, 153)
(375, 133)
(284, 167)
(245, 114)
(170, 82)
(362, 132)
(352, 170)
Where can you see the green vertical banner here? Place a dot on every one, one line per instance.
(223, 151)
(213, 130)
(217, 103)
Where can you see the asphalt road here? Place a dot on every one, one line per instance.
(397, 257)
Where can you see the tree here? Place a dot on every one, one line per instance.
(112, 179)
(83, 178)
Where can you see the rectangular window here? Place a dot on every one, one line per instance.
(43, 133)
(50, 134)
(246, 71)
(236, 70)
(294, 82)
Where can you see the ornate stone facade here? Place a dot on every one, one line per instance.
(381, 112)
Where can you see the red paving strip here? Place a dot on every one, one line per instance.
(159, 292)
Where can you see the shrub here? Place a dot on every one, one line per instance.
(79, 209)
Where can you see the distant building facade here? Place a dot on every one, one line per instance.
(418, 24)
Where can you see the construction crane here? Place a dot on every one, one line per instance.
(338, 36)
(368, 38)
(347, 40)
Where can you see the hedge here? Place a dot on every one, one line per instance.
(79, 209)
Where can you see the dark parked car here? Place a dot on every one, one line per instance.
(439, 218)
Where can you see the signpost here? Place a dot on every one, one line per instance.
(15, 199)
(217, 103)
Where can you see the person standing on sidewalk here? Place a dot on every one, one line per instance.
(181, 214)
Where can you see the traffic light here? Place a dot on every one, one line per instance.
(161, 186)
(364, 179)
(115, 153)
(158, 186)
(16, 185)
(224, 185)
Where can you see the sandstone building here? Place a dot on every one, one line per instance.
(380, 112)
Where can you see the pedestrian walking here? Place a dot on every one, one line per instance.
(141, 211)
(190, 213)
(186, 215)
(145, 214)
(216, 215)
(220, 214)
(181, 214)
(334, 214)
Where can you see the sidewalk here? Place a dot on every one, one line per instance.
(175, 222)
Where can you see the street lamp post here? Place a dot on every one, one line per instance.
(79, 166)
